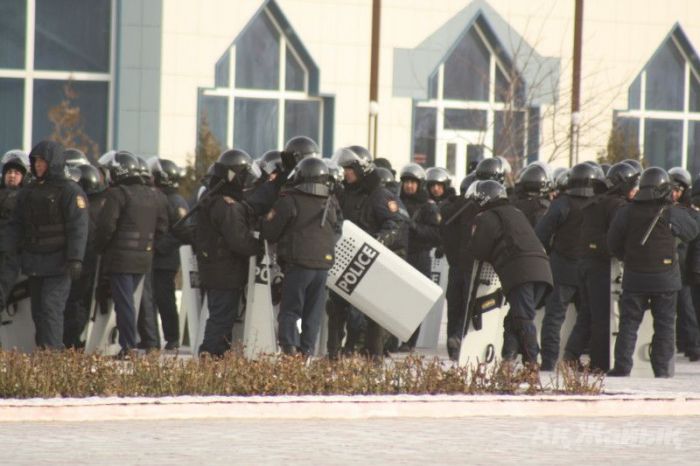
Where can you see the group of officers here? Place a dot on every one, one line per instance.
(71, 228)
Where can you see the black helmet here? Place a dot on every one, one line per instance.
(382, 162)
(534, 179)
(313, 176)
(621, 177)
(237, 168)
(75, 157)
(362, 152)
(585, 179)
(487, 191)
(466, 182)
(169, 175)
(386, 178)
(681, 178)
(360, 162)
(654, 184)
(412, 171)
(15, 159)
(491, 169)
(144, 169)
(301, 147)
(270, 162)
(123, 165)
(91, 179)
(436, 175)
(635, 164)
(72, 172)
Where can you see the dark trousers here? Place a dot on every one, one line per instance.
(554, 315)
(223, 309)
(123, 286)
(457, 294)
(663, 310)
(339, 315)
(9, 271)
(421, 262)
(48, 301)
(148, 318)
(581, 333)
(303, 297)
(687, 332)
(164, 296)
(597, 279)
(79, 303)
(519, 331)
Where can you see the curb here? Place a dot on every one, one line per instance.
(346, 407)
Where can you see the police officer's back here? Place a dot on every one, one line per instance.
(305, 225)
(224, 244)
(532, 191)
(50, 227)
(643, 235)
(504, 237)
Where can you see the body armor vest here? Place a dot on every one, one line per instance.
(45, 226)
(567, 239)
(137, 223)
(659, 252)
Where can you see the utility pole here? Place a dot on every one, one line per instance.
(373, 122)
(576, 84)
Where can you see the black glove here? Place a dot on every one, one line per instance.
(74, 269)
(439, 253)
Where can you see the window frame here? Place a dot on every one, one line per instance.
(29, 74)
(281, 94)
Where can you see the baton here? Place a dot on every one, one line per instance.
(206, 195)
(652, 225)
(457, 214)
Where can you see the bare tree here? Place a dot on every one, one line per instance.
(207, 151)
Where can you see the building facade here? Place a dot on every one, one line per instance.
(458, 80)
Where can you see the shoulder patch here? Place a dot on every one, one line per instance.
(229, 200)
(80, 201)
(393, 206)
(181, 212)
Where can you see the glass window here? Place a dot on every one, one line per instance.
(215, 110)
(257, 55)
(457, 118)
(222, 71)
(433, 86)
(694, 94)
(255, 126)
(65, 40)
(509, 137)
(662, 142)
(633, 93)
(665, 79)
(301, 118)
(467, 70)
(694, 147)
(424, 124)
(475, 154)
(293, 73)
(514, 94)
(91, 98)
(13, 24)
(628, 129)
(533, 134)
(451, 158)
(11, 113)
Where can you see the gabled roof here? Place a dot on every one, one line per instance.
(413, 67)
(292, 38)
(677, 33)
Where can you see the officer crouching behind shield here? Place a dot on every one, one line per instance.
(50, 227)
(503, 236)
(643, 235)
(224, 243)
(305, 225)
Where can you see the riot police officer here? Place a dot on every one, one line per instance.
(305, 225)
(224, 244)
(50, 227)
(643, 235)
(424, 222)
(504, 237)
(621, 182)
(75, 157)
(80, 299)
(166, 259)
(130, 222)
(438, 184)
(532, 190)
(560, 231)
(376, 210)
(15, 165)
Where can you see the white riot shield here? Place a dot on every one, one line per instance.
(486, 309)
(433, 330)
(103, 334)
(259, 324)
(191, 297)
(380, 284)
(641, 359)
(16, 325)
